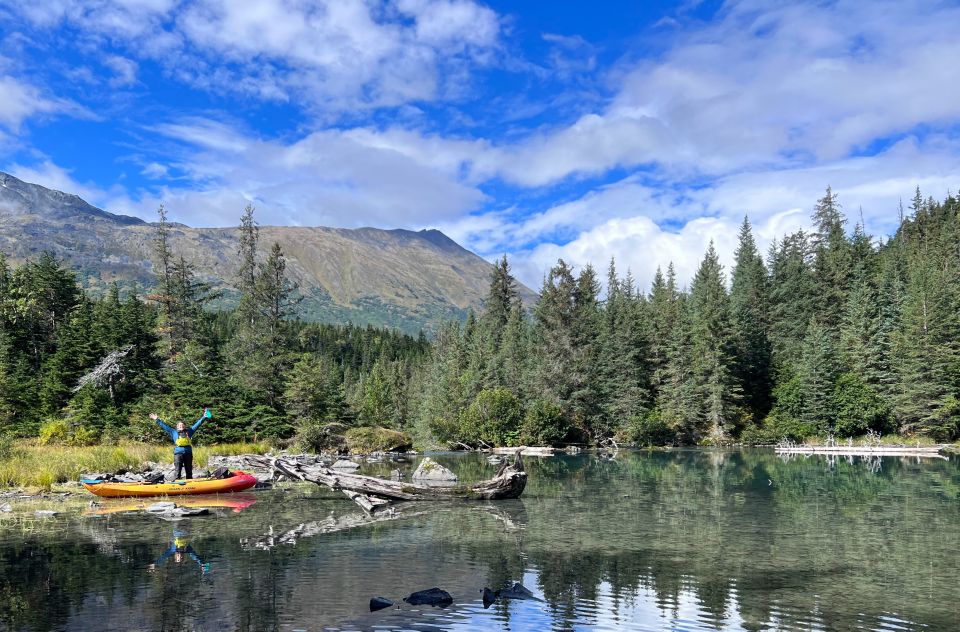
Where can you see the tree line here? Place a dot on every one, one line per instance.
(832, 332)
(266, 374)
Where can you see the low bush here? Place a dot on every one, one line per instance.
(543, 424)
(650, 430)
(54, 431)
(371, 439)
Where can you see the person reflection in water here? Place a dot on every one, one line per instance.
(180, 550)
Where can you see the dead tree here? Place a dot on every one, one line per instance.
(372, 493)
(109, 371)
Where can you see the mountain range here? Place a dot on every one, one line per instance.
(409, 280)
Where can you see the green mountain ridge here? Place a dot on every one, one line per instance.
(410, 280)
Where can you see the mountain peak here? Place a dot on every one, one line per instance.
(24, 198)
(399, 278)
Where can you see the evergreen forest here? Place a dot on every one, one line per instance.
(829, 333)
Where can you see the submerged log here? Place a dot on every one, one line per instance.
(371, 493)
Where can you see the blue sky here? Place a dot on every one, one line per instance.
(540, 130)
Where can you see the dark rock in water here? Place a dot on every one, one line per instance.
(517, 591)
(488, 597)
(379, 603)
(430, 597)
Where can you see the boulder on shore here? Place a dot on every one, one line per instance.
(345, 464)
(431, 472)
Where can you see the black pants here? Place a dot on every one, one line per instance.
(183, 460)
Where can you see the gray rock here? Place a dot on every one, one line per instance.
(5, 508)
(396, 475)
(44, 513)
(344, 464)
(429, 471)
(161, 507)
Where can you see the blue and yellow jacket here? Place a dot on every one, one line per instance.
(182, 442)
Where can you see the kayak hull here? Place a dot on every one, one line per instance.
(189, 487)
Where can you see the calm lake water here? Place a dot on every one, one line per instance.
(682, 540)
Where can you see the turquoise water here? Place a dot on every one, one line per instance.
(682, 540)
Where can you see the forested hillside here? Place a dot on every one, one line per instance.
(831, 333)
(401, 279)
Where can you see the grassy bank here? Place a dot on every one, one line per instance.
(28, 465)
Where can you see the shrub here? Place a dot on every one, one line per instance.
(543, 424)
(859, 408)
(493, 418)
(54, 431)
(650, 430)
(759, 434)
(314, 437)
(370, 439)
(782, 426)
(82, 436)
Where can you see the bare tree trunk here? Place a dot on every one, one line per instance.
(371, 493)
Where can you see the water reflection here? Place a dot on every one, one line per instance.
(180, 549)
(693, 540)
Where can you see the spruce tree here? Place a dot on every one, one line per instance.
(818, 371)
(832, 264)
(712, 347)
(792, 287)
(749, 307)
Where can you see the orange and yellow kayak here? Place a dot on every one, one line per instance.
(236, 483)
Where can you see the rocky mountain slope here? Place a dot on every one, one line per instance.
(398, 278)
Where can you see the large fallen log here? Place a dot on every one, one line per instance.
(372, 493)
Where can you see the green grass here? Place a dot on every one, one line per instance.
(29, 465)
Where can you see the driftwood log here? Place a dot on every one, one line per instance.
(372, 493)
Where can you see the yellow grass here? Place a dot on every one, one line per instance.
(42, 466)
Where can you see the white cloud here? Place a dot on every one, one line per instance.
(649, 225)
(768, 84)
(336, 54)
(20, 100)
(333, 178)
(124, 70)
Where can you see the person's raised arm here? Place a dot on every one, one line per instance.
(160, 423)
(206, 415)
